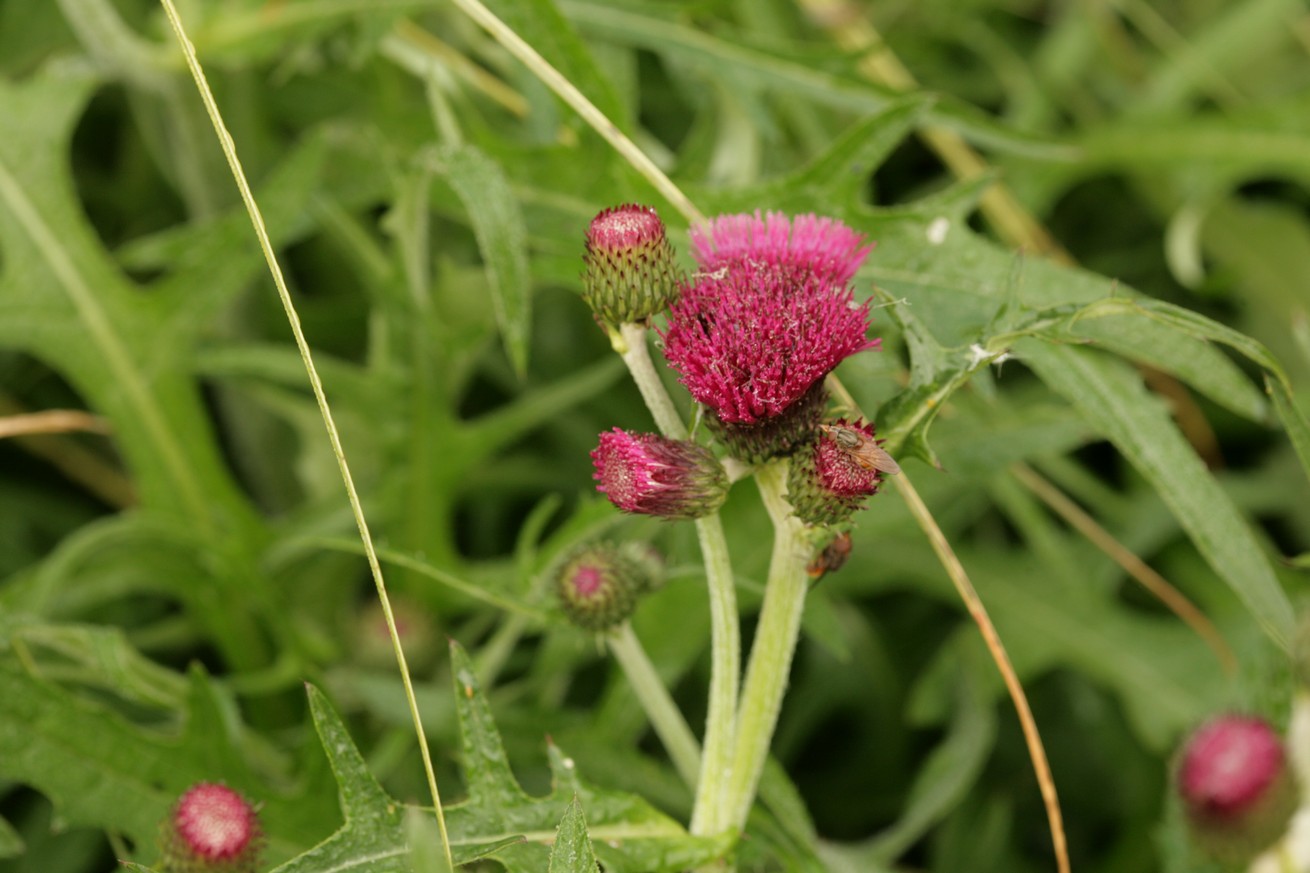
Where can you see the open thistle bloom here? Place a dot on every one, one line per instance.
(769, 315)
(829, 483)
(212, 829)
(599, 584)
(1237, 790)
(652, 475)
(630, 272)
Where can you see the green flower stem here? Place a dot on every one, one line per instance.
(655, 699)
(630, 343)
(774, 646)
(708, 816)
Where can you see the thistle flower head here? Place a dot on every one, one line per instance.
(769, 315)
(630, 273)
(823, 247)
(1237, 790)
(212, 829)
(598, 585)
(653, 475)
(830, 482)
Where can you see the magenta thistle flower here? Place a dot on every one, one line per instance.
(630, 271)
(823, 247)
(212, 829)
(652, 475)
(1237, 790)
(769, 315)
(829, 483)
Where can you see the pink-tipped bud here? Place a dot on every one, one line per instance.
(599, 584)
(1237, 790)
(844, 466)
(212, 829)
(652, 475)
(630, 271)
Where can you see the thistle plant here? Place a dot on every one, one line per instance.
(321, 474)
(768, 314)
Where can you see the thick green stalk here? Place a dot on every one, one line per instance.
(773, 648)
(630, 343)
(709, 814)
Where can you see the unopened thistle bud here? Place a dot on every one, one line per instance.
(599, 584)
(829, 481)
(1237, 790)
(652, 475)
(373, 646)
(212, 829)
(630, 271)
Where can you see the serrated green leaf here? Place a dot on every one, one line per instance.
(99, 657)
(1181, 354)
(372, 839)
(498, 225)
(1115, 402)
(423, 839)
(11, 844)
(572, 851)
(1293, 418)
(629, 834)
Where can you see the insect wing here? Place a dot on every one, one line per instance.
(873, 456)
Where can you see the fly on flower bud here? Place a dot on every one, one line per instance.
(630, 270)
(649, 474)
(212, 829)
(830, 481)
(599, 584)
(1237, 790)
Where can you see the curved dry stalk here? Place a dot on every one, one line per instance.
(1134, 566)
(51, 421)
(1033, 739)
(78, 463)
(226, 142)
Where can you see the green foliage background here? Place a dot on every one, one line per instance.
(168, 589)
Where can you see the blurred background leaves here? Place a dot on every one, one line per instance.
(176, 582)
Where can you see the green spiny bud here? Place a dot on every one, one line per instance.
(630, 271)
(598, 585)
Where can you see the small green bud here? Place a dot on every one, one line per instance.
(598, 585)
(630, 271)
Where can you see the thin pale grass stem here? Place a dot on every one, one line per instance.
(1033, 739)
(587, 110)
(1134, 566)
(257, 220)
